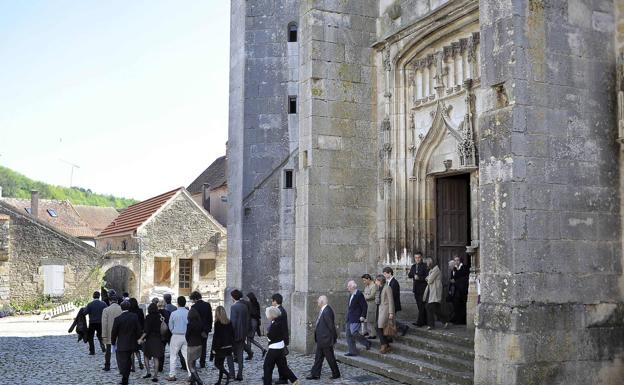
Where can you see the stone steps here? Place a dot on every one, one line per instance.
(440, 357)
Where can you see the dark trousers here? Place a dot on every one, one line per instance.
(219, 363)
(107, 356)
(433, 310)
(276, 357)
(202, 358)
(382, 339)
(324, 354)
(95, 328)
(237, 349)
(400, 325)
(422, 311)
(459, 311)
(124, 362)
(353, 337)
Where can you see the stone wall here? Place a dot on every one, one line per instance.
(183, 231)
(260, 148)
(551, 309)
(336, 185)
(5, 268)
(33, 245)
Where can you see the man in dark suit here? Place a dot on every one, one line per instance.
(356, 314)
(205, 312)
(325, 336)
(418, 273)
(94, 311)
(396, 294)
(277, 301)
(239, 316)
(124, 338)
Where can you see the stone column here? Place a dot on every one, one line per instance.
(336, 184)
(551, 266)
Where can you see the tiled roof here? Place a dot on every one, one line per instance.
(98, 218)
(67, 219)
(215, 175)
(134, 216)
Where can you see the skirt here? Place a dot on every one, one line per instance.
(154, 347)
(193, 353)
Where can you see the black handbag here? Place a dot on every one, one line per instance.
(451, 293)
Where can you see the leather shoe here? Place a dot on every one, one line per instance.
(337, 376)
(281, 382)
(106, 369)
(350, 355)
(313, 378)
(404, 331)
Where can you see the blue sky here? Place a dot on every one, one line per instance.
(134, 92)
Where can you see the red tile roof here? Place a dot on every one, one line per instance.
(66, 220)
(134, 216)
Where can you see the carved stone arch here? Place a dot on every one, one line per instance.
(423, 183)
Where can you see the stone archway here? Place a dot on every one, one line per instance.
(121, 279)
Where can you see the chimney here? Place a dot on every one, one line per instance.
(34, 203)
(206, 196)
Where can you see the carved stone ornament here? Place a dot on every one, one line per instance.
(394, 10)
(385, 124)
(386, 59)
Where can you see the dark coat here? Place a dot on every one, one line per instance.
(284, 317)
(140, 316)
(194, 331)
(325, 334)
(126, 332)
(278, 331)
(396, 294)
(80, 324)
(222, 340)
(94, 311)
(239, 317)
(419, 270)
(205, 312)
(357, 307)
(461, 277)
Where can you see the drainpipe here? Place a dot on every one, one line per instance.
(140, 263)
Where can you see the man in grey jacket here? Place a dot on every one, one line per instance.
(239, 316)
(108, 317)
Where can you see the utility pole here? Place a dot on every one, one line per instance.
(71, 175)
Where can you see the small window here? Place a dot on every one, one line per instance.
(292, 32)
(28, 210)
(162, 271)
(292, 104)
(288, 179)
(52, 213)
(207, 268)
(223, 198)
(124, 245)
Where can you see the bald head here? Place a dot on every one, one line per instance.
(322, 301)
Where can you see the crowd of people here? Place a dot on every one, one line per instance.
(122, 327)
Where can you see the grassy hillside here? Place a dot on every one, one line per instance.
(15, 185)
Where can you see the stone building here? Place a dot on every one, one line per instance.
(165, 244)
(37, 260)
(210, 190)
(362, 131)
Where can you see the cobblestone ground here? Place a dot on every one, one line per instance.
(58, 359)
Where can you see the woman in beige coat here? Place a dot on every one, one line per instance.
(433, 293)
(370, 292)
(385, 311)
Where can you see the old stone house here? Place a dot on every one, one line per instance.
(210, 190)
(165, 244)
(363, 131)
(37, 260)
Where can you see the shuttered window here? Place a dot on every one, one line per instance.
(162, 271)
(53, 280)
(207, 268)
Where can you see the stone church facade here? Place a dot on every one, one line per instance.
(461, 127)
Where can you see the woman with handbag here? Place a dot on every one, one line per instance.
(386, 327)
(153, 345)
(433, 294)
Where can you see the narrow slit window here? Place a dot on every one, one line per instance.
(288, 179)
(292, 32)
(52, 213)
(292, 104)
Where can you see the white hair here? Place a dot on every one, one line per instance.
(352, 285)
(323, 299)
(272, 312)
